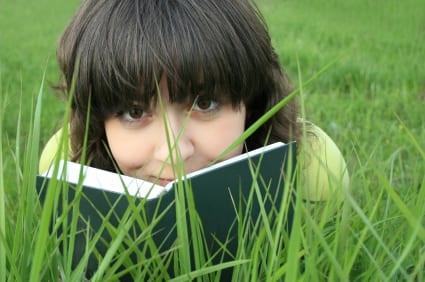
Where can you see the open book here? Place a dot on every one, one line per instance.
(219, 191)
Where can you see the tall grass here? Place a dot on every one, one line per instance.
(2, 197)
(370, 101)
(59, 217)
(328, 241)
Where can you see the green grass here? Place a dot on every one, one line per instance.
(371, 102)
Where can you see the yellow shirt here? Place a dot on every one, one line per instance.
(323, 169)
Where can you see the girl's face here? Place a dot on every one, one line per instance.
(200, 132)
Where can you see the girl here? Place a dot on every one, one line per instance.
(204, 68)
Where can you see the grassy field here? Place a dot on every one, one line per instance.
(371, 102)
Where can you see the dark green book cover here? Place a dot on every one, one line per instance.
(218, 191)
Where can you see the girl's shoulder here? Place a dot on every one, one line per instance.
(323, 168)
(50, 151)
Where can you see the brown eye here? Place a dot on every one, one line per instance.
(205, 105)
(134, 114)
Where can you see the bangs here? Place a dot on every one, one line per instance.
(202, 47)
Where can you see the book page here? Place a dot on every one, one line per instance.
(238, 158)
(105, 180)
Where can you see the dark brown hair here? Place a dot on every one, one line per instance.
(121, 47)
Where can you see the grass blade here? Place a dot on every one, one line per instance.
(32, 166)
(3, 246)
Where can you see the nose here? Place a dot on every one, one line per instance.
(175, 139)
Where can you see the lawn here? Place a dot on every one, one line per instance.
(371, 101)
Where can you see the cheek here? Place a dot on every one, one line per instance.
(128, 150)
(222, 133)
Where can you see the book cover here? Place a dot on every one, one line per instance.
(219, 191)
